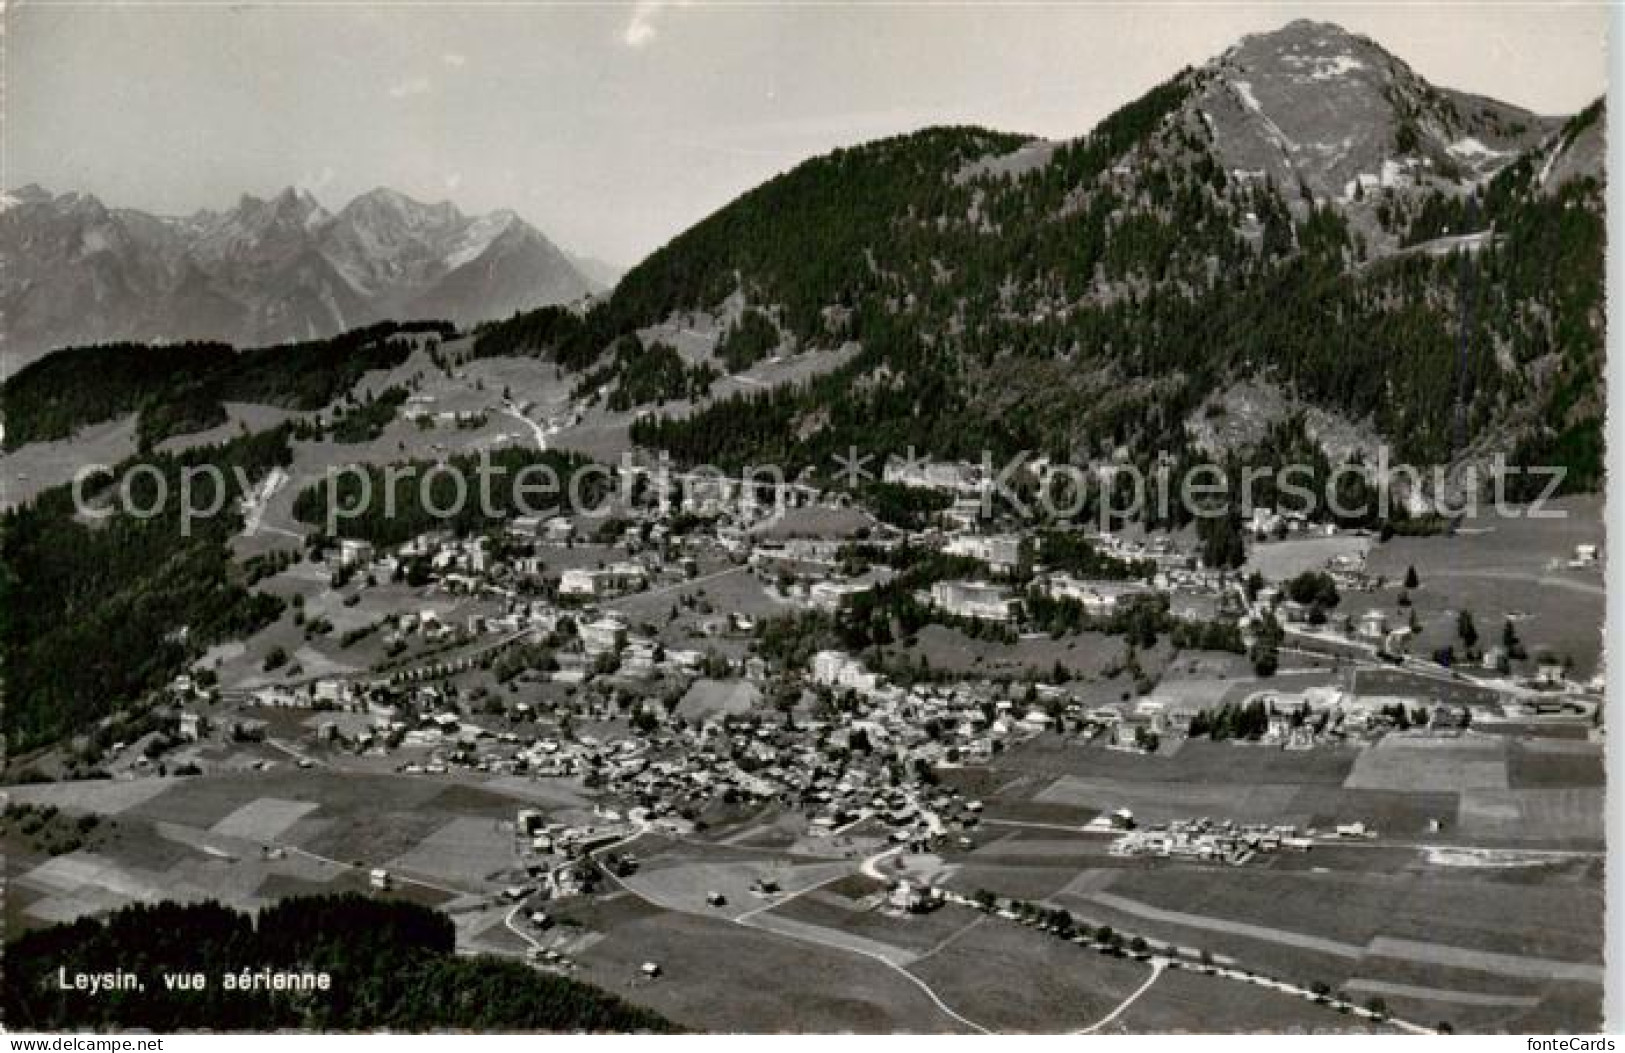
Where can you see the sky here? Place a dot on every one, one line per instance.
(614, 126)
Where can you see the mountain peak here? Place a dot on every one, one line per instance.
(1315, 106)
(289, 202)
(32, 192)
(1301, 29)
(265, 270)
(386, 207)
(390, 197)
(1315, 51)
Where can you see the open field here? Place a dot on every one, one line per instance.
(725, 589)
(1159, 802)
(1558, 922)
(1427, 764)
(468, 851)
(1279, 560)
(1302, 958)
(724, 977)
(1540, 763)
(907, 937)
(1185, 1000)
(1478, 1002)
(28, 471)
(680, 878)
(1084, 654)
(1008, 977)
(1405, 684)
(1562, 816)
(263, 819)
(248, 837)
(1509, 567)
(240, 416)
(1196, 761)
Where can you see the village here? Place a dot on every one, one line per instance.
(513, 665)
(746, 708)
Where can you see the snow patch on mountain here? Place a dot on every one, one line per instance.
(264, 271)
(1469, 147)
(477, 238)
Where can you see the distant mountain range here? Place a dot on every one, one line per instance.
(265, 271)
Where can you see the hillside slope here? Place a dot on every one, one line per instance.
(1292, 213)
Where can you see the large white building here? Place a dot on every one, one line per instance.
(1098, 597)
(353, 552)
(931, 475)
(613, 580)
(1001, 552)
(831, 595)
(839, 669)
(973, 599)
(603, 636)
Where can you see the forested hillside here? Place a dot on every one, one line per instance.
(396, 502)
(391, 965)
(180, 388)
(1087, 299)
(95, 614)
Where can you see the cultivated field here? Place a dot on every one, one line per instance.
(247, 838)
(1185, 1000)
(1010, 978)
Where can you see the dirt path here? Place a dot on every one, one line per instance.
(1158, 967)
(748, 921)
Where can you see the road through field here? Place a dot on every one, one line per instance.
(809, 934)
(538, 432)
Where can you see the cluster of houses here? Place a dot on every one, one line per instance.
(1204, 840)
(702, 732)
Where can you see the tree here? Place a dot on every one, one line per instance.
(1222, 544)
(1509, 640)
(1411, 580)
(1266, 660)
(392, 966)
(1313, 587)
(1466, 629)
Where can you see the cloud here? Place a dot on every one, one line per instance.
(640, 31)
(406, 88)
(454, 60)
(454, 180)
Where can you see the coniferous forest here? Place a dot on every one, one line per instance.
(391, 966)
(1094, 303)
(94, 614)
